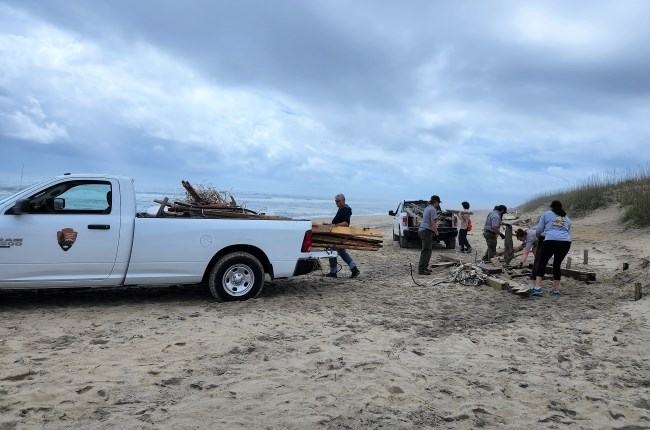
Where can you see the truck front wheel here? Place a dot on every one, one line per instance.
(236, 276)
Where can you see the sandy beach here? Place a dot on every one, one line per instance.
(384, 350)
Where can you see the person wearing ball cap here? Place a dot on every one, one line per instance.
(491, 230)
(428, 230)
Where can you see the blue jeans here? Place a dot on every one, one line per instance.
(345, 256)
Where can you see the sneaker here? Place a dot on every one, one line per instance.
(424, 272)
(330, 275)
(355, 272)
(537, 291)
(555, 292)
(468, 250)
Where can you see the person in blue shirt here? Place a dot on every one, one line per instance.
(491, 230)
(342, 218)
(427, 231)
(555, 225)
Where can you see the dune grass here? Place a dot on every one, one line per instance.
(631, 191)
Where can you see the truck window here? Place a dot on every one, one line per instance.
(75, 197)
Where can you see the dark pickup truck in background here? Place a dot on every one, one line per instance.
(406, 222)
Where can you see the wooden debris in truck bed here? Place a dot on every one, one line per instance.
(180, 209)
(207, 202)
(330, 236)
(203, 194)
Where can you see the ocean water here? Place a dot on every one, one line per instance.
(293, 206)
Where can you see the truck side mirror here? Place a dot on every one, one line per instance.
(22, 206)
(391, 213)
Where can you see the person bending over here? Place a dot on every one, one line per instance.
(555, 225)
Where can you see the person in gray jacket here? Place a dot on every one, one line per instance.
(491, 230)
(428, 230)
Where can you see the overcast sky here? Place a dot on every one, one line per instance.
(492, 102)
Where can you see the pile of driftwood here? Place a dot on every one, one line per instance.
(207, 202)
(329, 236)
(445, 218)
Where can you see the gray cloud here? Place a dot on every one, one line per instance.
(481, 98)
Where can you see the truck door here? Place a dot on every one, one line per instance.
(70, 234)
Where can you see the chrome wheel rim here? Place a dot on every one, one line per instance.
(238, 280)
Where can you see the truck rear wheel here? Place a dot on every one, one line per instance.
(236, 276)
(450, 243)
(403, 242)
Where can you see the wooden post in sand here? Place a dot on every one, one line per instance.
(626, 266)
(637, 291)
(508, 254)
(568, 262)
(586, 259)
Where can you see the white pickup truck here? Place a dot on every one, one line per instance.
(83, 231)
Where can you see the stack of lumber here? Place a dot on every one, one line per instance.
(329, 236)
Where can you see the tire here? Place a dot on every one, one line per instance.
(450, 243)
(236, 276)
(403, 242)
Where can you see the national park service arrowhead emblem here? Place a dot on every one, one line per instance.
(66, 238)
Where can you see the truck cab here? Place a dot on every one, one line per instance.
(79, 216)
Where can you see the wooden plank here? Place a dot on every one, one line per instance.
(523, 290)
(455, 211)
(508, 254)
(347, 231)
(161, 209)
(413, 215)
(346, 244)
(316, 247)
(191, 191)
(580, 275)
(454, 258)
(337, 238)
(490, 269)
(416, 209)
(496, 283)
(443, 264)
(637, 291)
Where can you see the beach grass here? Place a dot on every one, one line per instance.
(630, 190)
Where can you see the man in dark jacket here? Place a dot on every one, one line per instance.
(342, 218)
